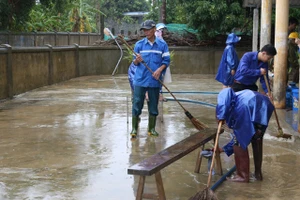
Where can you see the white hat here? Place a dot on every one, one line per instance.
(160, 26)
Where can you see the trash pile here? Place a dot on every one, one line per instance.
(174, 39)
(179, 35)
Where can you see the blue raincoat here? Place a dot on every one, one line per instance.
(131, 72)
(242, 110)
(229, 61)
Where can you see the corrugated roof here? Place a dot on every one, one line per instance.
(257, 3)
(136, 14)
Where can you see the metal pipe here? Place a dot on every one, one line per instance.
(193, 101)
(193, 92)
(223, 178)
(106, 29)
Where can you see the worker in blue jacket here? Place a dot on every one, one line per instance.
(155, 54)
(229, 61)
(253, 66)
(247, 113)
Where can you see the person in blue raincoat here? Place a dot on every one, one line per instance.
(247, 113)
(153, 53)
(229, 62)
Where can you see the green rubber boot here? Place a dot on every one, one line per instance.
(151, 126)
(135, 123)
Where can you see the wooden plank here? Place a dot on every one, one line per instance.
(162, 159)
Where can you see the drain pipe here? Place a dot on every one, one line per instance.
(223, 178)
(192, 101)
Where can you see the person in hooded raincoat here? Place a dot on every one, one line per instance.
(229, 62)
(247, 113)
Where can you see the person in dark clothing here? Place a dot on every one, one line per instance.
(253, 66)
(293, 63)
(293, 23)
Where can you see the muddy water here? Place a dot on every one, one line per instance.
(71, 141)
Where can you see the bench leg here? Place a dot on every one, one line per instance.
(199, 161)
(140, 191)
(160, 186)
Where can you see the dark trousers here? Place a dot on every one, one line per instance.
(139, 98)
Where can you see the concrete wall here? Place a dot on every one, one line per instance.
(52, 38)
(24, 69)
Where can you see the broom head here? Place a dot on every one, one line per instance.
(283, 135)
(198, 125)
(206, 194)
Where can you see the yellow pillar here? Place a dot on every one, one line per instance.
(255, 29)
(265, 28)
(280, 61)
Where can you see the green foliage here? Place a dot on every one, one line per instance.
(215, 16)
(14, 14)
(128, 54)
(116, 9)
(295, 12)
(81, 15)
(44, 19)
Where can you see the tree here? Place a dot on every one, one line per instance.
(116, 9)
(14, 13)
(215, 16)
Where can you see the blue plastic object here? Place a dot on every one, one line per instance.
(295, 92)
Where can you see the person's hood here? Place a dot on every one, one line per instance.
(232, 38)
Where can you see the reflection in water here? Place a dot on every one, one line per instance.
(71, 141)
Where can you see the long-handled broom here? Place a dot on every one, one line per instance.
(198, 125)
(280, 131)
(208, 194)
(108, 33)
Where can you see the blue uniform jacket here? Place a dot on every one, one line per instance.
(229, 61)
(242, 110)
(248, 70)
(154, 56)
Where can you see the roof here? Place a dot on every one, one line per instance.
(257, 3)
(135, 14)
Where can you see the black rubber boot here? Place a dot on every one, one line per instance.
(257, 147)
(242, 163)
(135, 123)
(151, 126)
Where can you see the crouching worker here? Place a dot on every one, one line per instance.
(247, 113)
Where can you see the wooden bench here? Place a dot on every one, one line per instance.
(157, 162)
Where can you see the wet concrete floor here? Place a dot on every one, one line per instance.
(71, 141)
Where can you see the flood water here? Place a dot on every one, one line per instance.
(71, 141)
